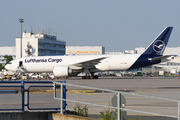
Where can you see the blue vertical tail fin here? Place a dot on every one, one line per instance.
(158, 46)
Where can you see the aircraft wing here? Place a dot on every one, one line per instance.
(160, 58)
(89, 64)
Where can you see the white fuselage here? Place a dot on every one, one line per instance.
(47, 63)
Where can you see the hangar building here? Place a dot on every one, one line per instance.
(167, 51)
(82, 50)
(7, 51)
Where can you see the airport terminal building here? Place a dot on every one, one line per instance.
(39, 44)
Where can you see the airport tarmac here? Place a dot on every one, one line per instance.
(166, 87)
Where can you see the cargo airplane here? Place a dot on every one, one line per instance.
(64, 66)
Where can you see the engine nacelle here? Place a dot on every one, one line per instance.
(61, 71)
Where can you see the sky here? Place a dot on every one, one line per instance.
(117, 25)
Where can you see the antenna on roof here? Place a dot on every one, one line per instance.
(49, 31)
(31, 30)
(54, 32)
(25, 29)
(43, 31)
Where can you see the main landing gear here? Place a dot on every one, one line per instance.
(90, 77)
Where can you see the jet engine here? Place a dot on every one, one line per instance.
(62, 71)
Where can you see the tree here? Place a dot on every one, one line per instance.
(8, 58)
(1, 66)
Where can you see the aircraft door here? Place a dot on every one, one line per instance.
(20, 63)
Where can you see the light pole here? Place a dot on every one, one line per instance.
(21, 21)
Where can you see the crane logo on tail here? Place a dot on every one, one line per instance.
(158, 46)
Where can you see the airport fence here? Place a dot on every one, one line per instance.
(118, 105)
(23, 90)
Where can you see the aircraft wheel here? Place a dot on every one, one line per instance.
(96, 77)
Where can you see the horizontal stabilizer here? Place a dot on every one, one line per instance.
(160, 58)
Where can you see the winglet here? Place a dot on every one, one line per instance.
(158, 46)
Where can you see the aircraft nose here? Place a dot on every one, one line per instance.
(7, 67)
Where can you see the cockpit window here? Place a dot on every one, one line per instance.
(10, 63)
